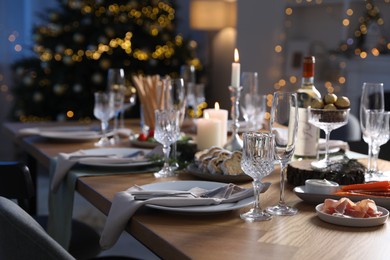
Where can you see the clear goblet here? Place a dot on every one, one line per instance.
(166, 132)
(257, 162)
(372, 99)
(104, 110)
(327, 120)
(284, 125)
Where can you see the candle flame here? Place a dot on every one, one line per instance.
(236, 55)
(206, 115)
(216, 106)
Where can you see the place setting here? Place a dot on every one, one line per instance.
(184, 197)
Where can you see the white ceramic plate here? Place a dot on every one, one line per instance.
(112, 162)
(187, 185)
(68, 133)
(71, 135)
(353, 222)
(194, 170)
(316, 198)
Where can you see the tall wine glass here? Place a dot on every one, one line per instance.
(104, 110)
(116, 84)
(257, 162)
(166, 132)
(284, 125)
(327, 120)
(372, 99)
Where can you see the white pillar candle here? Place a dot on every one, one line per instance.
(222, 115)
(208, 132)
(236, 67)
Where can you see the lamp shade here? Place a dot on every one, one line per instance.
(212, 14)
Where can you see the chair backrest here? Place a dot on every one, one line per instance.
(21, 237)
(16, 183)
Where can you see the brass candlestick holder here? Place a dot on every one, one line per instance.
(235, 142)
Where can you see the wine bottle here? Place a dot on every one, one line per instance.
(306, 146)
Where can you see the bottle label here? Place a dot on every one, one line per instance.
(307, 136)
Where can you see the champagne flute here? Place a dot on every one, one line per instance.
(175, 98)
(166, 132)
(257, 162)
(284, 125)
(249, 96)
(116, 84)
(372, 99)
(130, 99)
(104, 110)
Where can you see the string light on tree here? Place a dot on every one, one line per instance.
(80, 39)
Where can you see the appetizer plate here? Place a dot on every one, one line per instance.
(187, 185)
(194, 170)
(316, 198)
(119, 162)
(353, 222)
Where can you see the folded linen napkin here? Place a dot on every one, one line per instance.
(65, 161)
(125, 204)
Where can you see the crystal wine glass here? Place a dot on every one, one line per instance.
(376, 134)
(372, 99)
(327, 120)
(166, 132)
(257, 162)
(383, 137)
(284, 125)
(116, 84)
(104, 110)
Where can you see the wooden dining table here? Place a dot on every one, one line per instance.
(221, 235)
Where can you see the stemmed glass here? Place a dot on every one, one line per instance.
(250, 99)
(327, 120)
(257, 162)
(166, 132)
(175, 98)
(116, 84)
(284, 125)
(373, 100)
(130, 99)
(104, 110)
(384, 136)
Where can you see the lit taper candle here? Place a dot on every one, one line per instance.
(236, 67)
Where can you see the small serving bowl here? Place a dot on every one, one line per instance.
(321, 186)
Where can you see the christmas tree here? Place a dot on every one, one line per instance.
(369, 36)
(81, 39)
